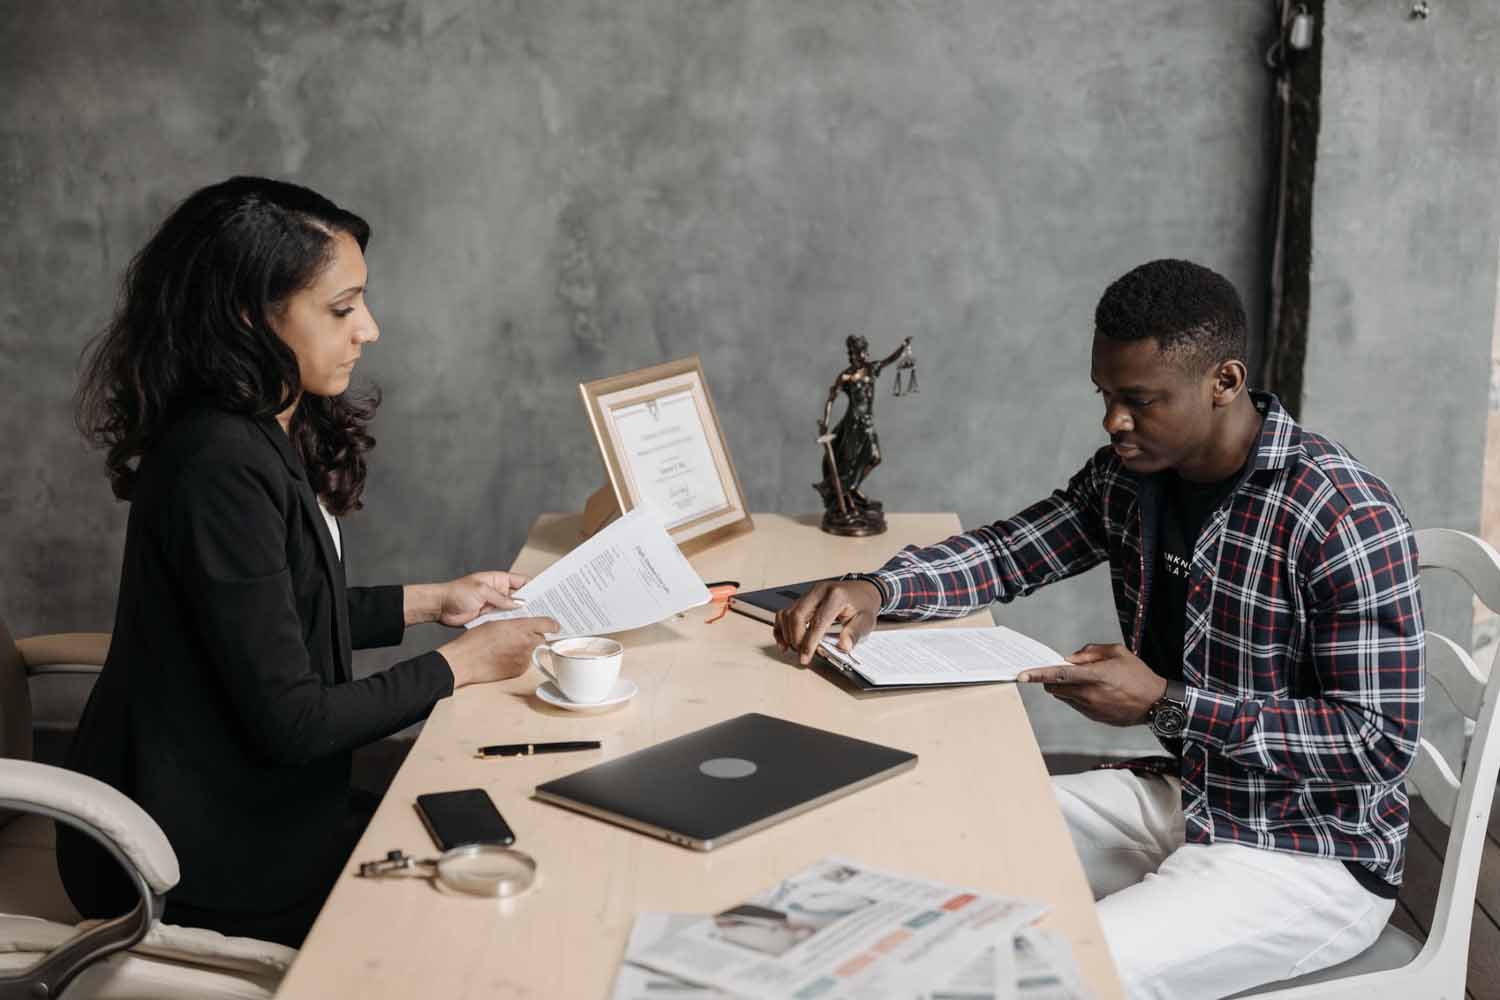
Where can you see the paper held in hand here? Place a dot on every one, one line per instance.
(627, 576)
(932, 656)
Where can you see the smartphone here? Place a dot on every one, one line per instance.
(463, 817)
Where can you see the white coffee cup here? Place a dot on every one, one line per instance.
(584, 669)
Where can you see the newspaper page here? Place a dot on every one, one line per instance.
(1042, 967)
(636, 982)
(1038, 966)
(942, 655)
(627, 576)
(840, 931)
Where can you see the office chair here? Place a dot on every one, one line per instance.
(45, 949)
(1396, 965)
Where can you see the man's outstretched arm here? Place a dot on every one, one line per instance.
(1051, 540)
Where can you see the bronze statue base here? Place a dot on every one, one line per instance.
(855, 524)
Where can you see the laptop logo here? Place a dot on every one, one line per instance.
(728, 767)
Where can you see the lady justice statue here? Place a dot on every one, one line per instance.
(852, 451)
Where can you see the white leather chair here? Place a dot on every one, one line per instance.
(1397, 966)
(44, 947)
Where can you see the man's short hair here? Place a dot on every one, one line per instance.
(1193, 313)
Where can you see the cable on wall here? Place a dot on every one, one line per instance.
(1295, 58)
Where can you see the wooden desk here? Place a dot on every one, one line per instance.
(977, 810)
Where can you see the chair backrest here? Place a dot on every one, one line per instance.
(1462, 796)
(15, 702)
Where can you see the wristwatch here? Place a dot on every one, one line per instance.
(1168, 717)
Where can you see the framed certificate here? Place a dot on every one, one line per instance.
(662, 446)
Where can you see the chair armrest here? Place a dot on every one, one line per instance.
(64, 653)
(95, 808)
(125, 830)
(202, 947)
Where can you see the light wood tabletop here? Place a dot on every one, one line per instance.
(977, 810)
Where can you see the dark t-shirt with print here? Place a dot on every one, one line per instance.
(1185, 507)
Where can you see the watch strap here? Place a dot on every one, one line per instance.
(880, 587)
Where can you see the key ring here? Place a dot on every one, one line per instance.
(476, 869)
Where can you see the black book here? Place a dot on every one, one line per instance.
(763, 605)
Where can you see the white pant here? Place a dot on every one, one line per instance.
(1188, 921)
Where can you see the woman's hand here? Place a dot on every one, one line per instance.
(460, 601)
(495, 651)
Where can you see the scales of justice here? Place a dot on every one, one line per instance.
(851, 451)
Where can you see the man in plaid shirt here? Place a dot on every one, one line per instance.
(1266, 585)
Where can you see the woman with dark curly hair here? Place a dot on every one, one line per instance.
(227, 706)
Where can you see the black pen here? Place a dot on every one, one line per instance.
(527, 749)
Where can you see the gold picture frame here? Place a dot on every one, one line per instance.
(664, 415)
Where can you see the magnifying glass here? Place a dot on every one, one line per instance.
(475, 869)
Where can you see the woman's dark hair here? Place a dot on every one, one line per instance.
(193, 327)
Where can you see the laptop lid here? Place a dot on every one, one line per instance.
(715, 785)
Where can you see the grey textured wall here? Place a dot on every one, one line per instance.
(564, 189)
(1405, 227)
(1406, 218)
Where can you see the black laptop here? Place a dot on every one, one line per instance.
(719, 784)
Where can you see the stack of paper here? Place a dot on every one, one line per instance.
(934, 656)
(629, 575)
(839, 931)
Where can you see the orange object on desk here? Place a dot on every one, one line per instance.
(719, 595)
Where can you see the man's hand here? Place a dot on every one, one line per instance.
(800, 627)
(460, 601)
(1106, 683)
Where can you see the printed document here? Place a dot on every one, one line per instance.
(839, 931)
(629, 575)
(941, 655)
(669, 458)
(1041, 968)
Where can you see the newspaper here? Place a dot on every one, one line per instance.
(636, 982)
(1039, 967)
(627, 576)
(840, 931)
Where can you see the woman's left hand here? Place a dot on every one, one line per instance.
(460, 601)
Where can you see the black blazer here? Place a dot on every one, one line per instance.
(226, 707)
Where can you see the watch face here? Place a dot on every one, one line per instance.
(1169, 719)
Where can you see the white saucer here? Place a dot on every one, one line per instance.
(623, 691)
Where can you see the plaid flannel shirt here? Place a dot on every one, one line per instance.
(1303, 651)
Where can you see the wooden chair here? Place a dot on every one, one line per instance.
(44, 947)
(1397, 966)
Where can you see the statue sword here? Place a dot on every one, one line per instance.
(827, 442)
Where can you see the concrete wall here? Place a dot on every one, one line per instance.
(565, 189)
(1406, 217)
